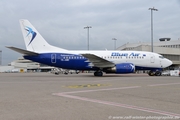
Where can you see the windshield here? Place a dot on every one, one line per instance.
(161, 57)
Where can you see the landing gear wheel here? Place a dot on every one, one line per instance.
(157, 73)
(98, 73)
(151, 73)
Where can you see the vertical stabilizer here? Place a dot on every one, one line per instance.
(33, 40)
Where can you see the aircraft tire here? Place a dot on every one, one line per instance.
(151, 73)
(157, 73)
(98, 73)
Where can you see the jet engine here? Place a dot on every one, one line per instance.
(121, 68)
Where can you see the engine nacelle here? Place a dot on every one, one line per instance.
(121, 68)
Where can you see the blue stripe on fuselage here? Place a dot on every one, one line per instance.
(147, 68)
(66, 61)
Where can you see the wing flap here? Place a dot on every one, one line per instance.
(22, 51)
(98, 61)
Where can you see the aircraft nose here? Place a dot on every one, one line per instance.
(169, 62)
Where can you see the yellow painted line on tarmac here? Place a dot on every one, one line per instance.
(87, 85)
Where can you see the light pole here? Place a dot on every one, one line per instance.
(87, 35)
(0, 57)
(114, 43)
(152, 26)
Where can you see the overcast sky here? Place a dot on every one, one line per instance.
(62, 22)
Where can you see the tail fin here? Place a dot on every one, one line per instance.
(33, 40)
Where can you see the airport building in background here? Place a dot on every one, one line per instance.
(23, 65)
(169, 49)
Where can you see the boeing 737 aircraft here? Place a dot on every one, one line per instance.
(118, 62)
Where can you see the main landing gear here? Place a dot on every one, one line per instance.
(98, 73)
(155, 73)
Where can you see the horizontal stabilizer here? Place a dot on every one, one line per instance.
(22, 51)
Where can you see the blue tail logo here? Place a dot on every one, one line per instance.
(30, 31)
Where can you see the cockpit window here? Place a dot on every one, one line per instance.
(161, 57)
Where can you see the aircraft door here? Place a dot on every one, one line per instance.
(53, 58)
(152, 58)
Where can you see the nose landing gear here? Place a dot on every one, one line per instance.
(154, 73)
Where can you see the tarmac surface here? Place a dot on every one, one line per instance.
(45, 96)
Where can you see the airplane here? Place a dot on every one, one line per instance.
(115, 62)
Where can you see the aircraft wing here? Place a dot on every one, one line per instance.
(98, 61)
(22, 51)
